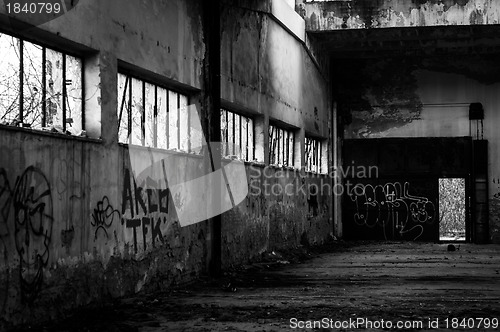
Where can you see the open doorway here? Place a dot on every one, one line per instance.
(452, 212)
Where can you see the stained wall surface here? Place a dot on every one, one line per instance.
(361, 14)
(270, 71)
(270, 74)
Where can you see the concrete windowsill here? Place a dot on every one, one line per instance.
(37, 132)
(159, 150)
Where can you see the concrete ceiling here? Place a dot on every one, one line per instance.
(408, 41)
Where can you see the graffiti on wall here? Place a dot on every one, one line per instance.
(144, 208)
(31, 204)
(5, 203)
(103, 217)
(496, 182)
(256, 200)
(392, 207)
(69, 189)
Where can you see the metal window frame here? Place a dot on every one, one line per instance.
(128, 79)
(64, 98)
(167, 106)
(236, 119)
(155, 119)
(129, 129)
(280, 145)
(313, 154)
(44, 87)
(65, 90)
(21, 80)
(143, 115)
(179, 122)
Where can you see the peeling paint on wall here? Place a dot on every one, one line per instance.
(384, 96)
(379, 94)
(358, 14)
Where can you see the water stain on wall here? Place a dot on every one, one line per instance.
(383, 94)
(378, 94)
(362, 14)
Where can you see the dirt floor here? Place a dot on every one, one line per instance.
(340, 285)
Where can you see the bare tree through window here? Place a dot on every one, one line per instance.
(313, 149)
(237, 136)
(40, 88)
(281, 146)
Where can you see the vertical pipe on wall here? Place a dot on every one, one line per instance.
(480, 229)
(337, 162)
(211, 31)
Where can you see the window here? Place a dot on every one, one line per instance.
(236, 136)
(313, 149)
(153, 116)
(281, 146)
(40, 88)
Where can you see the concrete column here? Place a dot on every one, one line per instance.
(100, 84)
(337, 181)
(261, 139)
(299, 148)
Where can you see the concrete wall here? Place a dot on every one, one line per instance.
(426, 97)
(67, 236)
(97, 229)
(268, 72)
(284, 208)
(357, 14)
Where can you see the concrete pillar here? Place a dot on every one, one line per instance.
(299, 149)
(100, 84)
(261, 138)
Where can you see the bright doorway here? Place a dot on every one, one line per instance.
(452, 212)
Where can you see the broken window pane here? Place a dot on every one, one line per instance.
(230, 129)
(33, 87)
(54, 89)
(36, 73)
(123, 108)
(224, 132)
(280, 144)
(250, 146)
(152, 115)
(173, 121)
(244, 138)
(162, 119)
(236, 135)
(74, 95)
(313, 154)
(183, 123)
(9, 79)
(137, 112)
(150, 119)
